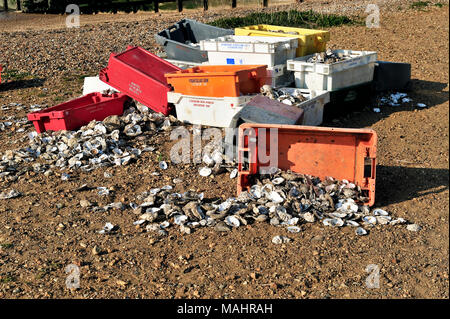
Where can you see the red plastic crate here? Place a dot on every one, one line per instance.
(140, 74)
(319, 151)
(76, 113)
(1, 69)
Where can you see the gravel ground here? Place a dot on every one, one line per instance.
(46, 229)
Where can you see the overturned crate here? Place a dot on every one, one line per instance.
(140, 74)
(340, 153)
(181, 40)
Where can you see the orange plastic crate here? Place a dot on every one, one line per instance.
(319, 151)
(218, 80)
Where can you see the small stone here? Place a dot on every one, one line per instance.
(254, 275)
(413, 227)
(221, 227)
(48, 173)
(96, 251)
(85, 203)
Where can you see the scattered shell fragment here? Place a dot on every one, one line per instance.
(11, 194)
(163, 165)
(232, 221)
(205, 171)
(360, 231)
(293, 229)
(277, 240)
(108, 228)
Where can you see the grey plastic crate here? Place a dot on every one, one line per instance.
(180, 41)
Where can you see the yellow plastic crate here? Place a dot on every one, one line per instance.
(309, 41)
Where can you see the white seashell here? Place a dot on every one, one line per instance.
(102, 191)
(370, 220)
(234, 173)
(255, 191)
(293, 229)
(11, 194)
(351, 223)
(205, 171)
(164, 224)
(275, 197)
(152, 227)
(163, 165)
(334, 222)
(360, 231)
(232, 221)
(379, 212)
(383, 220)
(309, 217)
(338, 214)
(348, 207)
(225, 205)
(293, 221)
(107, 228)
(277, 240)
(139, 222)
(278, 180)
(208, 160)
(398, 221)
(217, 157)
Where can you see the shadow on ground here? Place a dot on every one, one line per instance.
(21, 84)
(359, 113)
(396, 184)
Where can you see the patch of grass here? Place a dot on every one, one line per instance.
(292, 18)
(420, 4)
(174, 5)
(51, 266)
(6, 245)
(439, 4)
(14, 75)
(59, 99)
(7, 278)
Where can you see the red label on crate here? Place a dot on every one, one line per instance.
(200, 103)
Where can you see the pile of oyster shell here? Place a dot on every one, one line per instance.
(328, 57)
(95, 145)
(283, 199)
(282, 96)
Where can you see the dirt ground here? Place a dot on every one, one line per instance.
(320, 262)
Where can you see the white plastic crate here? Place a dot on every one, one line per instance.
(313, 107)
(356, 70)
(279, 76)
(93, 84)
(183, 64)
(235, 49)
(210, 111)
